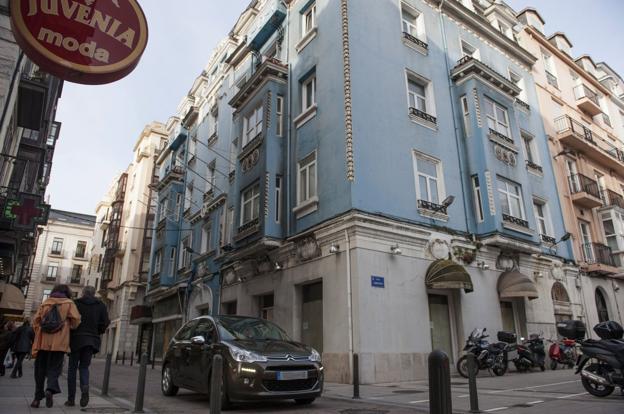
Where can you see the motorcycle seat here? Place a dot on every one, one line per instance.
(616, 346)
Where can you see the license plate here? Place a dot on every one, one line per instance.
(291, 375)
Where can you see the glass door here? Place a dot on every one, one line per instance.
(602, 187)
(586, 242)
(575, 185)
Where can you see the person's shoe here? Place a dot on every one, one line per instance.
(84, 399)
(70, 403)
(35, 404)
(49, 399)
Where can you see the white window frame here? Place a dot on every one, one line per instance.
(172, 258)
(279, 112)
(519, 83)
(278, 198)
(464, 44)
(510, 195)
(415, 27)
(212, 170)
(205, 237)
(588, 251)
(252, 124)
(477, 197)
(439, 179)
(157, 261)
(549, 65)
(163, 209)
(304, 166)
(178, 207)
(311, 79)
(531, 153)
(251, 196)
(427, 85)
(465, 115)
(55, 266)
(545, 219)
(309, 15)
(494, 118)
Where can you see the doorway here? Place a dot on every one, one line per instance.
(440, 324)
(312, 315)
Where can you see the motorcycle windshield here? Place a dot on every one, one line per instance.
(476, 334)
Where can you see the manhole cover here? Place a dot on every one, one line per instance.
(364, 411)
(407, 391)
(105, 410)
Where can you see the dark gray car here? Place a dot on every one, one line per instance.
(260, 362)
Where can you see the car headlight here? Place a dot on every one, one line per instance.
(314, 355)
(242, 355)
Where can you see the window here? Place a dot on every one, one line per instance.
(308, 93)
(229, 308)
(252, 125)
(229, 226)
(212, 167)
(465, 115)
(541, 217)
(266, 306)
(81, 249)
(416, 94)
(172, 258)
(162, 209)
(497, 118)
(413, 22)
(157, 261)
(609, 231)
(232, 161)
(76, 274)
(250, 204)
(601, 306)
(469, 50)
(46, 294)
(519, 82)
(57, 246)
(428, 174)
(510, 197)
(178, 207)
(478, 202)
(530, 150)
(586, 242)
(308, 20)
(420, 98)
(205, 238)
(185, 253)
(52, 272)
(307, 179)
(278, 198)
(549, 67)
(279, 112)
(505, 29)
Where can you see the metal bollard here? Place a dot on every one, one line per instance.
(131, 359)
(153, 361)
(138, 402)
(123, 358)
(107, 368)
(439, 383)
(116, 357)
(472, 384)
(356, 376)
(216, 380)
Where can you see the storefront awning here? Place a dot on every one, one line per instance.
(446, 274)
(11, 299)
(513, 284)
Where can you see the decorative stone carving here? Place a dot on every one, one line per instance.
(308, 249)
(505, 155)
(556, 271)
(439, 249)
(507, 261)
(229, 276)
(248, 162)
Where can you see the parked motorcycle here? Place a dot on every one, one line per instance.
(562, 352)
(531, 354)
(489, 356)
(601, 363)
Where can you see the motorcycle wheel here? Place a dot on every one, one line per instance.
(500, 366)
(597, 390)
(553, 364)
(462, 366)
(542, 367)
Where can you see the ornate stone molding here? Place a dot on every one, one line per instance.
(307, 249)
(344, 9)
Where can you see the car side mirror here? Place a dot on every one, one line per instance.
(198, 340)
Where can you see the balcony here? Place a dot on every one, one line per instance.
(585, 191)
(533, 166)
(469, 66)
(577, 136)
(417, 113)
(172, 174)
(269, 69)
(612, 199)
(523, 104)
(598, 259)
(587, 100)
(515, 221)
(548, 239)
(414, 42)
(191, 116)
(432, 210)
(57, 253)
(104, 223)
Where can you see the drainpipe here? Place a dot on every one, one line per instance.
(455, 128)
(349, 298)
(290, 109)
(180, 221)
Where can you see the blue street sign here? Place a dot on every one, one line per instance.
(378, 281)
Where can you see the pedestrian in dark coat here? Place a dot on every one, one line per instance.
(22, 344)
(6, 341)
(84, 343)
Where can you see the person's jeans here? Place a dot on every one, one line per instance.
(17, 369)
(48, 366)
(78, 361)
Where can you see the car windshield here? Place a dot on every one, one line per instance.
(233, 328)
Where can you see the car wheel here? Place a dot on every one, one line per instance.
(304, 401)
(166, 384)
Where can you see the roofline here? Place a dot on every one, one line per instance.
(531, 9)
(561, 34)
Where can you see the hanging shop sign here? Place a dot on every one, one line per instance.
(25, 212)
(86, 41)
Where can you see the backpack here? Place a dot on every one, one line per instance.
(52, 321)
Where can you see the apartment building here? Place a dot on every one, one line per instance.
(580, 103)
(62, 256)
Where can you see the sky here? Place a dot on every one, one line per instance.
(102, 123)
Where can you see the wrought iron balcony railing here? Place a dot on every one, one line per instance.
(582, 91)
(612, 199)
(523, 104)
(580, 183)
(515, 220)
(501, 136)
(548, 239)
(597, 253)
(415, 40)
(428, 205)
(423, 115)
(534, 166)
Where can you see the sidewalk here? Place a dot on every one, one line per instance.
(17, 394)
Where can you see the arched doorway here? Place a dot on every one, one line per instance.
(601, 306)
(561, 302)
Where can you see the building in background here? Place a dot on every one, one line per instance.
(580, 103)
(62, 256)
(295, 189)
(28, 134)
(122, 241)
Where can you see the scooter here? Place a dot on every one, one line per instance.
(562, 352)
(531, 354)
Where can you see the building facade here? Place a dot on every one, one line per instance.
(28, 134)
(125, 219)
(62, 256)
(581, 109)
(313, 185)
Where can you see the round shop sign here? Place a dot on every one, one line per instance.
(83, 41)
